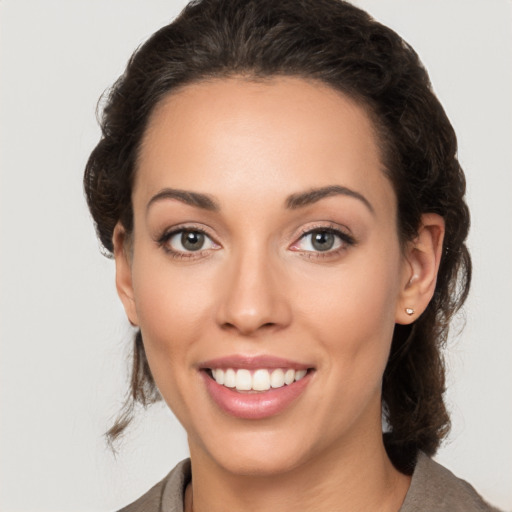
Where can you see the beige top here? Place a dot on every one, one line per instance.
(433, 489)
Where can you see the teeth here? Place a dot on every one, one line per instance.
(277, 378)
(299, 374)
(260, 380)
(243, 380)
(219, 376)
(229, 378)
(289, 377)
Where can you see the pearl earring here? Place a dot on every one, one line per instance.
(409, 311)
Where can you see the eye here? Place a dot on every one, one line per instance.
(322, 240)
(187, 241)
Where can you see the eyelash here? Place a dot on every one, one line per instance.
(346, 241)
(164, 239)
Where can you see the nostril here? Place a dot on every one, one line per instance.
(228, 326)
(246, 328)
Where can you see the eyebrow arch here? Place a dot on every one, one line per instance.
(203, 201)
(312, 196)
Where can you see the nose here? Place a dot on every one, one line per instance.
(253, 295)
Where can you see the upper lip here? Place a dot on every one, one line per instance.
(252, 362)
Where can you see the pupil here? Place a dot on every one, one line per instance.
(323, 240)
(192, 240)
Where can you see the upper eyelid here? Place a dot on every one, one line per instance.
(171, 231)
(328, 226)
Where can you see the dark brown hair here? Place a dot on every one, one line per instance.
(340, 45)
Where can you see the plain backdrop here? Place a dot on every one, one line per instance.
(64, 338)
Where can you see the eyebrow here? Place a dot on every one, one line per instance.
(312, 196)
(293, 202)
(197, 199)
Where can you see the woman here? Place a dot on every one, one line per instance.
(280, 190)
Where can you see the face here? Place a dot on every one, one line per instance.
(264, 255)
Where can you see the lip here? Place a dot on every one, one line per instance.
(252, 363)
(254, 405)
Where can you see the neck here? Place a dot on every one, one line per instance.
(358, 477)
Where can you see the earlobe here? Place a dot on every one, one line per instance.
(421, 265)
(124, 273)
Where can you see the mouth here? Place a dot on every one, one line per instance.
(255, 388)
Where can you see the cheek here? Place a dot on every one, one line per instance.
(172, 305)
(352, 312)
(172, 308)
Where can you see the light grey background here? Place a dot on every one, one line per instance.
(64, 339)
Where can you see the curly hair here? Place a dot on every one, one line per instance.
(333, 42)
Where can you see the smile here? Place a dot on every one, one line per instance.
(261, 379)
(255, 388)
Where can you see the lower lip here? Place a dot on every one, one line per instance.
(255, 406)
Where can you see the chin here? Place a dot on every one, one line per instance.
(260, 465)
(260, 454)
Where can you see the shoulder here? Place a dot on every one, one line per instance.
(436, 489)
(166, 495)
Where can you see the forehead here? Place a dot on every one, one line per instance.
(260, 138)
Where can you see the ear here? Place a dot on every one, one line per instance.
(422, 259)
(124, 273)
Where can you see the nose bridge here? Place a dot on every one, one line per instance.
(252, 297)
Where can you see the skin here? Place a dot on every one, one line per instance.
(260, 288)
